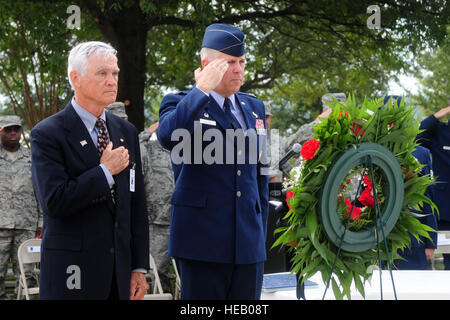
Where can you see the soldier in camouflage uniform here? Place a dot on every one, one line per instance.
(159, 184)
(118, 108)
(20, 217)
(278, 144)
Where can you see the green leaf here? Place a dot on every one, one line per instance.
(358, 284)
(311, 223)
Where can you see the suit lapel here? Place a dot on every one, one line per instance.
(247, 113)
(79, 137)
(218, 114)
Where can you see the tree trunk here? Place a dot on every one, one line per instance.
(127, 33)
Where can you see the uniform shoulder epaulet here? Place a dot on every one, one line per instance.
(248, 94)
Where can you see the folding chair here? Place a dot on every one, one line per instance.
(29, 252)
(158, 293)
(177, 280)
(443, 246)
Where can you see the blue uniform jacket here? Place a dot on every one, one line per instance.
(436, 138)
(86, 236)
(219, 210)
(415, 255)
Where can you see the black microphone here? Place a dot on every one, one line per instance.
(284, 164)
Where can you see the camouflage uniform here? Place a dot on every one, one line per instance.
(306, 131)
(117, 108)
(159, 184)
(281, 145)
(19, 212)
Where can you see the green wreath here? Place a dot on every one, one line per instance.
(360, 160)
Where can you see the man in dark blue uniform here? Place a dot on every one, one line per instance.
(436, 138)
(417, 256)
(220, 200)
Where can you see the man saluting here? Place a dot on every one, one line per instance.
(219, 208)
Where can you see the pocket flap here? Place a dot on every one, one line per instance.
(189, 198)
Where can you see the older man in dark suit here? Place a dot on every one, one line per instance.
(87, 171)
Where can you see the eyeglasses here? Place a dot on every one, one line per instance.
(12, 128)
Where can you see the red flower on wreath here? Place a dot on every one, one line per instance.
(356, 212)
(409, 173)
(289, 194)
(309, 149)
(366, 198)
(368, 182)
(357, 129)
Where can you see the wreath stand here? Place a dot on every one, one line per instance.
(367, 155)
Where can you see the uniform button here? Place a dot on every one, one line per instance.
(238, 194)
(239, 172)
(116, 225)
(111, 250)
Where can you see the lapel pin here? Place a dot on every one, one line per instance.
(121, 140)
(83, 143)
(254, 113)
(243, 103)
(206, 115)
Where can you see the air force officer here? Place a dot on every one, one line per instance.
(220, 207)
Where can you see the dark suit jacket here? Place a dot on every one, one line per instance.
(85, 235)
(219, 211)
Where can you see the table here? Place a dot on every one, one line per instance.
(409, 285)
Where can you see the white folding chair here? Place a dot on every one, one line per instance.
(177, 280)
(158, 293)
(443, 246)
(29, 252)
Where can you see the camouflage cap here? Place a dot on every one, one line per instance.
(268, 108)
(118, 109)
(7, 121)
(340, 96)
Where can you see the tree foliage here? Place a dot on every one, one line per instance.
(297, 50)
(34, 42)
(434, 76)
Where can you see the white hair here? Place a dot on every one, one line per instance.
(208, 53)
(78, 56)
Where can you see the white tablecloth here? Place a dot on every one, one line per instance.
(409, 285)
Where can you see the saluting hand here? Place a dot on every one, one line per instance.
(441, 113)
(210, 76)
(115, 160)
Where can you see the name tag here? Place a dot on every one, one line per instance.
(209, 122)
(132, 176)
(446, 147)
(32, 249)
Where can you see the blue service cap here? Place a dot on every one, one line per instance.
(224, 38)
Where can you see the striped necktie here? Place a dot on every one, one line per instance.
(102, 142)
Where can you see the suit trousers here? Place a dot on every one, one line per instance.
(202, 280)
(114, 291)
